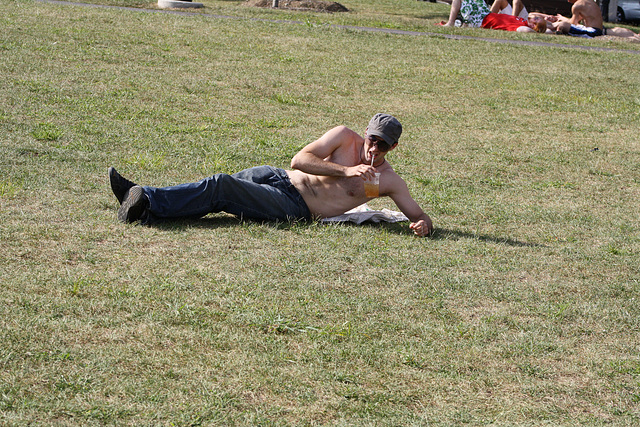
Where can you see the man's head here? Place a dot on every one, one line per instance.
(386, 127)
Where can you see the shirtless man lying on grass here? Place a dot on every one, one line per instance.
(327, 179)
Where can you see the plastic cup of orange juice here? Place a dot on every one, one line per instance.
(372, 186)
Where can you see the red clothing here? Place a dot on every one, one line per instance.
(501, 21)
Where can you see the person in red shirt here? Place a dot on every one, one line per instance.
(476, 13)
(500, 21)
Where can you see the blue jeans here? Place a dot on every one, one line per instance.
(260, 193)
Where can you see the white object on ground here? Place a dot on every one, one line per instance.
(177, 4)
(364, 213)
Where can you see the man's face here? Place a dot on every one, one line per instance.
(375, 146)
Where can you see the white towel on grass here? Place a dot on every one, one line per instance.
(364, 213)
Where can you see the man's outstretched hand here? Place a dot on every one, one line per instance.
(422, 228)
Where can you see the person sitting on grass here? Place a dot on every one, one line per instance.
(586, 21)
(476, 13)
(327, 179)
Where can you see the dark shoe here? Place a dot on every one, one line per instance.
(134, 204)
(119, 185)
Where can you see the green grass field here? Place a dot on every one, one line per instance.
(522, 309)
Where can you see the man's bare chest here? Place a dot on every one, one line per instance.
(342, 188)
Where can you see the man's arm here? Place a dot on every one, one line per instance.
(576, 14)
(314, 157)
(420, 222)
(549, 18)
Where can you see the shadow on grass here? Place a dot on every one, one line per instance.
(447, 234)
(444, 234)
(214, 222)
(221, 221)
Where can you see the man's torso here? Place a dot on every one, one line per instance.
(328, 196)
(588, 12)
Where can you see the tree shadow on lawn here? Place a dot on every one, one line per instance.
(400, 228)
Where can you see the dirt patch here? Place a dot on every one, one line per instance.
(315, 5)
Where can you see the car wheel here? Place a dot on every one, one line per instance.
(620, 15)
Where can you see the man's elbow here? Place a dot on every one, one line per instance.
(296, 162)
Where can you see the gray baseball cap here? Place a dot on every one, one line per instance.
(386, 127)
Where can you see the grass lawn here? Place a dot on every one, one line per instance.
(522, 309)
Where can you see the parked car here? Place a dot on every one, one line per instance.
(628, 10)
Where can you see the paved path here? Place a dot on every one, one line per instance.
(350, 27)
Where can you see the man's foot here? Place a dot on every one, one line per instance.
(134, 204)
(119, 185)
